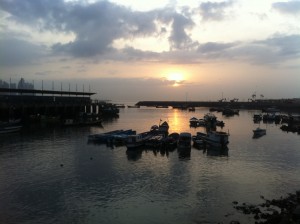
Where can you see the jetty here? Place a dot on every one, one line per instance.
(290, 105)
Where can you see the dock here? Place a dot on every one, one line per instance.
(289, 105)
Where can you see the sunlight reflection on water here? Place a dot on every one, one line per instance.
(99, 184)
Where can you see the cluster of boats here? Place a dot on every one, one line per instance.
(158, 138)
(290, 123)
(209, 120)
(227, 111)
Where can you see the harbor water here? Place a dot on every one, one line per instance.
(53, 175)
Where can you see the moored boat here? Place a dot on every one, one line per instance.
(170, 142)
(164, 127)
(198, 141)
(216, 138)
(258, 132)
(155, 141)
(103, 137)
(138, 140)
(194, 122)
(184, 141)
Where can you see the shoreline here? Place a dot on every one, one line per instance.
(285, 210)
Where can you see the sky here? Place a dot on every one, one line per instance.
(128, 50)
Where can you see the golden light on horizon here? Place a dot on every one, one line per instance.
(177, 77)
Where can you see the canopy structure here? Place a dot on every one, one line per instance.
(36, 91)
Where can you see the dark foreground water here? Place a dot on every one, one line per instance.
(99, 184)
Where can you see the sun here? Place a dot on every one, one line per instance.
(177, 77)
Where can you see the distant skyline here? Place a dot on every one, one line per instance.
(159, 50)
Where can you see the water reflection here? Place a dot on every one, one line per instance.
(134, 155)
(216, 151)
(184, 154)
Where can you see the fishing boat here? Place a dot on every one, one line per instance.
(170, 142)
(210, 120)
(258, 132)
(120, 138)
(164, 127)
(103, 137)
(137, 140)
(155, 141)
(194, 122)
(197, 139)
(184, 141)
(216, 138)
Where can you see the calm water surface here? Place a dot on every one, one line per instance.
(100, 184)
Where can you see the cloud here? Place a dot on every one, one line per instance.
(97, 25)
(16, 52)
(214, 11)
(272, 51)
(290, 7)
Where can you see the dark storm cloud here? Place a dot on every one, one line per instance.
(290, 7)
(15, 52)
(214, 11)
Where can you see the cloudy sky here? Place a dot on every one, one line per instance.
(129, 50)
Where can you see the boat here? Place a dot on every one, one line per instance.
(164, 127)
(194, 122)
(120, 138)
(103, 137)
(155, 141)
(210, 119)
(137, 140)
(220, 123)
(170, 142)
(72, 122)
(133, 106)
(158, 106)
(230, 112)
(216, 138)
(120, 106)
(258, 132)
(197, 139)
(184, 141)
(192, 109)
(9, 127)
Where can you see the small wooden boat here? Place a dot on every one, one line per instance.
(155, 141)
(198, 141)
(164, 127)
(194, 122)
(258, 132)
(184, 141)
(135, 141)
(103, 137)
(170, 142)
(216, 138)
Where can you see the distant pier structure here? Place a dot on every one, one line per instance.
(27, 103)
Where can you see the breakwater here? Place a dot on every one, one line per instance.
(290, 105)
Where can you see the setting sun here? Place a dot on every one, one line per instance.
(177, 77)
